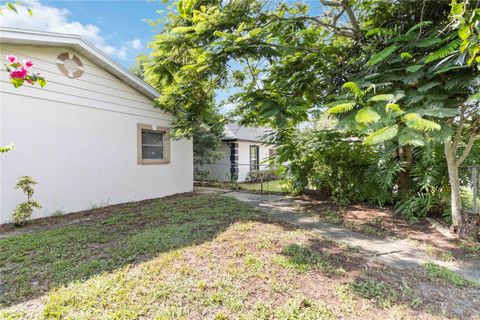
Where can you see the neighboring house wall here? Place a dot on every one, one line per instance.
(78, 139)
(244, 157)
(220, 170)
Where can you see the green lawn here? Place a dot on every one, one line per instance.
(270, 186)
(205, 257)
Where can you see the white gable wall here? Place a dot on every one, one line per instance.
(78, 139)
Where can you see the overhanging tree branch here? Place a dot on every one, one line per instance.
(351, 16)
(471, 141)
(458, 134)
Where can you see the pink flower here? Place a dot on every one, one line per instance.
(11, 59)
(18, 73)
(28, 63)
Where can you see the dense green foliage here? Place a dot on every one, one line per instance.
(335, 164)
(402, 75)
(262, 176)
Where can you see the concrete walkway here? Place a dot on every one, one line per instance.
(393, 252)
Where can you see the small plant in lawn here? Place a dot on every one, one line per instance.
(442, 274)
(57, 213)
(470, 248)
(24, 210)
(201, 284)
(439, 254)
(221, 316)
(302, 308)
(250, 261)
(304, 259)
(332, 216)
(379, 291)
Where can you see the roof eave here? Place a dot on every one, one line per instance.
(245, 140)
(21, 36)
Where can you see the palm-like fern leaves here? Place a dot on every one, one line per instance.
(382, 97)
(382, 55)
(415, 121)
(342, 107)
(444, 51)
(382, 135)
(367, 115)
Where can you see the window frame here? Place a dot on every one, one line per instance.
(166, 144)
(254, 167)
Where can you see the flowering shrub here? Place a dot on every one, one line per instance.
(20, 72)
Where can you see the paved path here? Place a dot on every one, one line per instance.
(397, 253)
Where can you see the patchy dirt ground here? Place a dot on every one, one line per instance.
(382, 222)
(211, 257)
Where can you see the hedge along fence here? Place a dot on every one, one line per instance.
(261, 177)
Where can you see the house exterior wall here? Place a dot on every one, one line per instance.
(78, 139)
(220, 170)
(244, 157)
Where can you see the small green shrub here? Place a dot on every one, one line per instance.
(262, 175)
(415, 207)
(383, 294)
(57, 213)
(426, 184)
(443, 274)
(304, 259)
(24, 210)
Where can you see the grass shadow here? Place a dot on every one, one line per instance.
(326, 256)
(33, 263)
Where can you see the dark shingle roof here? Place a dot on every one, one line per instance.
(235, 132)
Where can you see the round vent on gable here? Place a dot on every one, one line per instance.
(70, 65)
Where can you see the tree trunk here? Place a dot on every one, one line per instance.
(456, 203)
(405, 154)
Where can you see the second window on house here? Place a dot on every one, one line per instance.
(254, 166)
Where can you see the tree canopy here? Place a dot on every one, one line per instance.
(402, 75)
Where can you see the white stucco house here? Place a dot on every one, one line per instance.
(91, 137)
(243, 149)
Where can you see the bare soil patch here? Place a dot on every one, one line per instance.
(383, 222)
